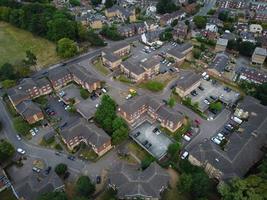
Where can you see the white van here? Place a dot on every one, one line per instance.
(236, 119)
(184, 155)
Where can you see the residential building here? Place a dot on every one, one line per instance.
(95, 23)
(232, 4)
(255, 28)
(247, 37)
(261, 15)
(221, 45)
(132, 183)
(4, 181)
(243, 149)
(220, 63)
(251, 75)
(187, 83)
(44, 86)
(259, 56)
(59, 77)
(127, 30)
(83, 131)
(168, 18)
(180, 52)
(137, 110)
(30, 111)
(84, 78)
(141, 71)
(211, 27)
(180, 31)
(121, 13)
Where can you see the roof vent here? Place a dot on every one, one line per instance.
(217, 159)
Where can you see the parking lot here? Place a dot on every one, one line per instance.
(153, 142)
(213, 91)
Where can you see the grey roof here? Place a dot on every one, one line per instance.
(57, 73)
(260, 51)
(135, 104)
(17, 95)
(243, 149)
(118, 46)
(222, 42)
(88, 131)
(179, 51)
(131, 182)
(42, 82)
(151, 62)
(153, 35)
(83, 74)
(220, 62)
(228, 36)
(110, 56)
(253, 74)
(28, 108)
(134, 68)
(187, 80)
(168, 114)
(126, 28)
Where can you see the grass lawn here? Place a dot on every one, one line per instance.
(124, 79)
(107, 195)
(154, 86)
(100, 67)
(88, 154)
(138, 151)
(7, 195)
(185, 65)
(14, 43)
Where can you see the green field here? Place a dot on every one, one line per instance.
(14, 43)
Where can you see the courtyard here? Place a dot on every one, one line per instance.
(155, 143)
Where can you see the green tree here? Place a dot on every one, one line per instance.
(96, 2)
(21, 126)
(84, 186)
(53, 196)
(119, 135)
(94, 39)
(216, 106)
(166, 6)
(110, 3)
(196, 53)
(173, 149)
(171, 102)
(30, 58)
(185, 183)
(7, 71)
(174, 23)
(61, 169)
(261, 93)
(66, 48)
(111, 32)
(75, 2)
(200, 21)
(246, 48)
(166, 36)
(117, 123)
(84, 93)
(6, 150)
(146, 162)
(8, 83)
(201, 185)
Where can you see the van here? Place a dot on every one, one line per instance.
(236, 119)
(184, 155)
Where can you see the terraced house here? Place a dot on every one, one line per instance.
(136, 111)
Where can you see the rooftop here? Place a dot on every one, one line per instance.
(222, 42)
(260, 51)
(187, 80)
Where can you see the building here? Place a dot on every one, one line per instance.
(180, 52)
(251, 75)
(261, 15)
(131, 183)
(259, 56)
(83, 131)
(247, 37)
(168, 18)
(30, 111)
(220, 63)
(187, 83)
(211, 27)
(95, 23)
(243, 149)
(4, 181)
(59, 77)
(135, 111)
(84, 78)
(127, 30)
(121, 13)
(180, 31)
(255, 28)
(232, 4)
(141, 71)
(221, 45)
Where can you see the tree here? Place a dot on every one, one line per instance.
(111, 32)
(216, 106)
(7, 71)
(174, 23)
(185, 183)
(261, 93)
(166, 6)
(8, 83)
(119, 135)
(84, 93)
(246, 48)
(21, 126)
(61, 169)
(30, 59)
(75, 2)
(53, 196)
(146, 162)
(6, 150)
(66, 48)
(96, 2)
(200, 21)
(117, 123)
(84, 186)
(171, 102)
(166, 35)
(196, 53)
(94, 39)
(201, 185)
(110, 3)
(173, 149)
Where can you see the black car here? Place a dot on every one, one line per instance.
(213, 97)
(63, 125)
(201, 88)
(98, 179)
(137, 134)
(66, 175)
(71, 158)
(155, 130)
(193, 93)
(148, 145)
(145, 142)
(47, 171)
(165, 101)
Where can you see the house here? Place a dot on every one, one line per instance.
(243, 149)
(16, 95)
(251, 75)
(232, 4)
(180, 31)
(220, 62)
(137, 110)
(168, 18)
(30, 111)
(84, 78)
(121, 13)
(141, 71)
(187, 83)
(95, 23)
(255, 28)
(247, 37)
(83, 131)
(261, 15)
(44, 86)
(259, 56)
(221, 45)
(120, 49)
(180, 52)
(211, 27)
(127, 30)
(131, 183)
(59, 77)
(215, 20)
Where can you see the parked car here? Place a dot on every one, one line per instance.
(70, 157)
(35, 169)
(47, 171)
(145, 142)
(66, 175)
(215, 140)
(21, 151)
(137, 134)
(98, 179)
(155, 130)
(201, 88)
(194, 93)
(32, 132)
(206, 102)
(187, 138)
(184, 155)
(189, 133)
(18, 137)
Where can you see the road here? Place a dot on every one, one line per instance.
(208, 4)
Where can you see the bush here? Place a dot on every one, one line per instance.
(58, 147)
(146, 162)
(84, 93)
(61, 169)
(84, 186)
(21, 126)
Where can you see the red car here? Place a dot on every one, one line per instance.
(189, 134)
(197, 121)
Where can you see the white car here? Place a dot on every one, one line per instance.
(129, 96)
(184, 155)
(35, 169)
(104, 90)
(169, 64)
(18, 137)
(35, 130)
(21, 151)
(67, 107)
(32, 132)
(220, 136)
(187, 138)
(216, 140)
(206, 102)
(96, 105)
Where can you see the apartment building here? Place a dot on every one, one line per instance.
(259, 56)
(180, 53)
(121, 13)
(168, 18)
(59, 77)
(83, 131)
(251, 75)
(95, 23)
(221, 45)
(136, 110)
